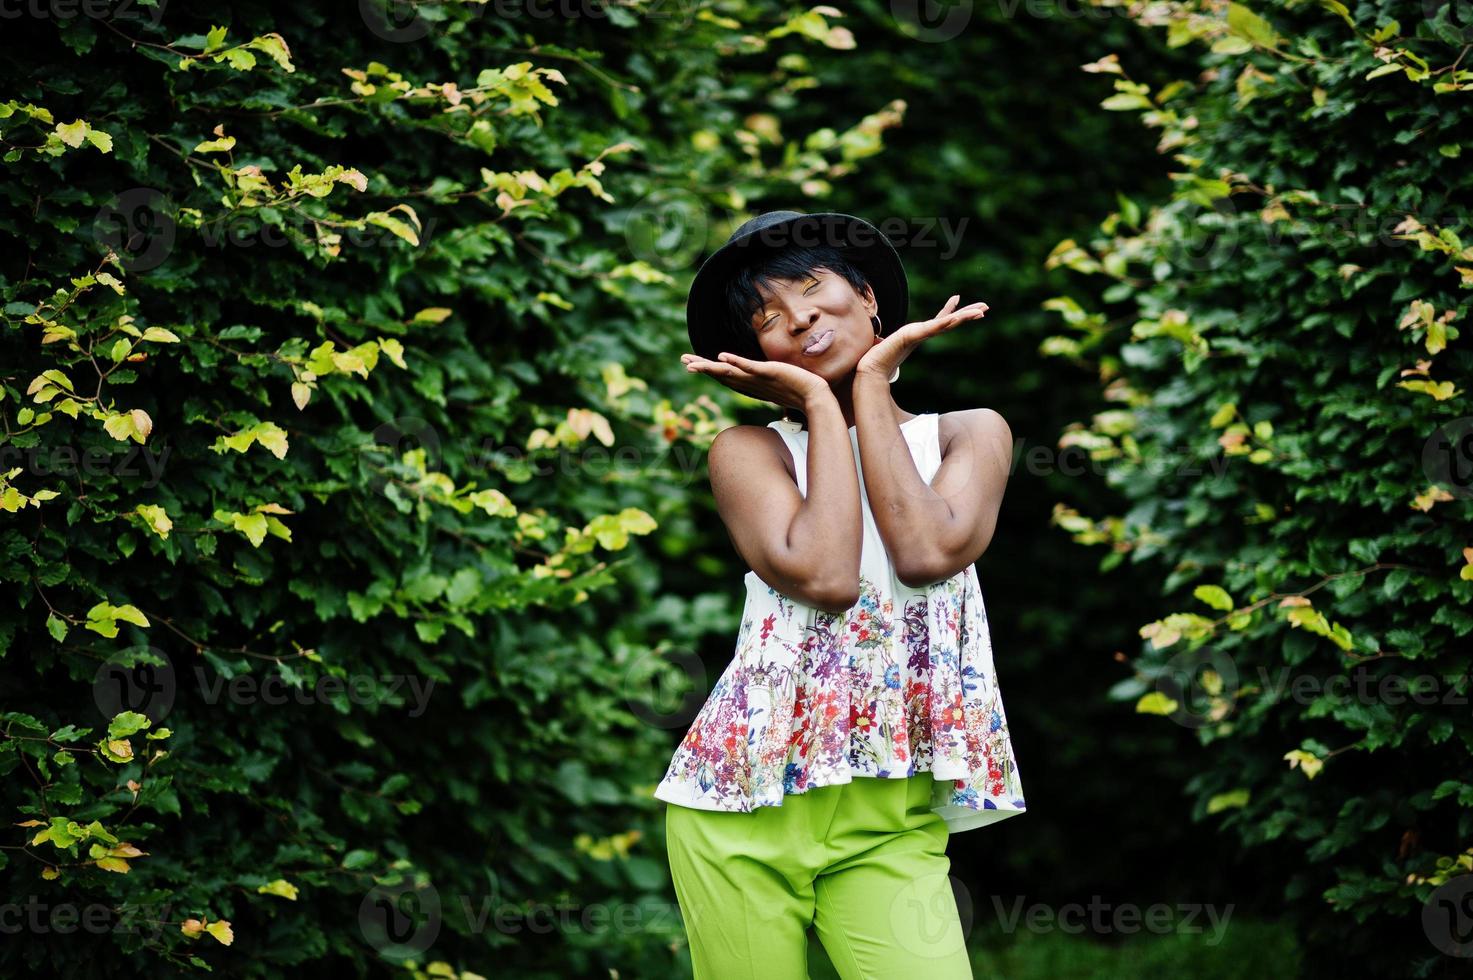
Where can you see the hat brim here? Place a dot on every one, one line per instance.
(859, 241)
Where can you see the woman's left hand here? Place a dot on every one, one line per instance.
(884, 357)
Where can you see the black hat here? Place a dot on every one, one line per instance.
(864, 245)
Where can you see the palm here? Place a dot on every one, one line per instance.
(884, 357)
(775, 381)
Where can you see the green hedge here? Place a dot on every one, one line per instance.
(1284, 375)
(335, 448)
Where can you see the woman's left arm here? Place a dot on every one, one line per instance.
(932, 531)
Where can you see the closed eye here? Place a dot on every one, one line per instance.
(806, 291)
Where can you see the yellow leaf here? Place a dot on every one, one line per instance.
(1425, 500)
(1227, 801)
(72, 133)
(120, 427)
(273, 438)
(1109, 64)
(1155, 703)
(1307, 762)
(221, 145)
(253, 526)
(1159, 635)
(157, 519)
(220, 929)
(281, 887)
(1439, 390)
(393, 350)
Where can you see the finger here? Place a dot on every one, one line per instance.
(730, 371)
(950, 305)
(969, 312)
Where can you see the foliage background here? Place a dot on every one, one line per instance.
(402, 322)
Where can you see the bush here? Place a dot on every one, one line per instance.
(1283, 372)
(318, 335)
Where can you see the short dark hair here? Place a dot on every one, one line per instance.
(790, 262)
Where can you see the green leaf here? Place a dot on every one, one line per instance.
(280, 887)
(1215, 596)
(1228, 801)
(1246, 24)
(127, 723)
(1155, 703)
(253, 526)
(1126, 101)
(73, 133)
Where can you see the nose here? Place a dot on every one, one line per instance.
(804, 321)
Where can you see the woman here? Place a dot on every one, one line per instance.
(859, 723)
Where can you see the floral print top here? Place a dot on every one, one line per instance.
(901, 682)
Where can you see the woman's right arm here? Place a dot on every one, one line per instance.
(806, 548)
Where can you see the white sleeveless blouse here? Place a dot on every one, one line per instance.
(901, 682)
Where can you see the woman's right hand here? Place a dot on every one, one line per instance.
(783, 384)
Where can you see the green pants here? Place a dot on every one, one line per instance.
(864, 863)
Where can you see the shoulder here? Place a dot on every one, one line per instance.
(741, 437)
(983, 427)
(737, 444)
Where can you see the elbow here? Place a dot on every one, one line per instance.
(917, 571)
(917, 579)
(836, 597)
(937, 564)
(921, 573)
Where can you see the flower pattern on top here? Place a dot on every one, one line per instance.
(899, 683)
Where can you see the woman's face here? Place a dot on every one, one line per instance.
(820, 310)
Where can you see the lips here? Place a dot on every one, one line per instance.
(820, 343)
